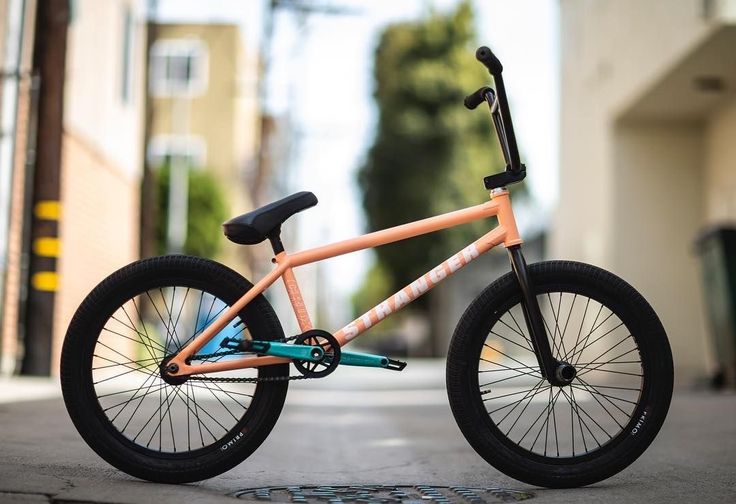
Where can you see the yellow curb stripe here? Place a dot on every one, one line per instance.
(47, 247)
(47, 210)
(47, 281)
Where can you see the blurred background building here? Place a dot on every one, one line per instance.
(74, 167)
(106, 103)
(648, 121)
(204, 109)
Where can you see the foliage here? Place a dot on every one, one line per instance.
(206, 212)
(430, 154)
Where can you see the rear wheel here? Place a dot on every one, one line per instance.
(571, 435)
(161, 428)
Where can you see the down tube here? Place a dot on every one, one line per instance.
(420, 286)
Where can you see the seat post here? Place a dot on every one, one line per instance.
(275, 239)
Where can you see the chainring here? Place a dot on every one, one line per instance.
(330, 360)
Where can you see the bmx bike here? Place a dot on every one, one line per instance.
(559, 374)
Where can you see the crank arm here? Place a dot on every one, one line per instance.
(291, 351)
(370, 360)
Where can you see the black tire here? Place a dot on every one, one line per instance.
(619, 422)
(112, 342)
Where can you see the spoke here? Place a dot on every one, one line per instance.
(517, 332)
(512, 342)
(129, 401)
(581, 422)
(561, 346)
(143, 324)
(169, 327)
(222, 403)
(587, 343)
(196, 415)
(508, 395)
(523, 334)
(204, 326)
(198, 409)
(604, 353)
(507, 368)
(531, 370)
(580, 408)
(593, 389)
(160, 318)
(151, 347)
(135, 410)
(126, 337)
(594, 396)
(545, 423)
(541, 413)
(619, 388)
(181, 309)
(171, 423)
(130, 368)
(189, 435)
(612, 361)
(572, 305)
(584, 365)
(507, 378)
(531, 392)
(116, 363)
(161, 416)
(522, 412)
(499, 351)
(592, 330)
(158, 410)
(229, 393)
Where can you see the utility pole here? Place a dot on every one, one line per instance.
(49, 61)
(149, 196)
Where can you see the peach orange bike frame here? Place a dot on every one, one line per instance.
(506, 233)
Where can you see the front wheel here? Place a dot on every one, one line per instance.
(131, 413)
(571, 435)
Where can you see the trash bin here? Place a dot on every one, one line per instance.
(717, 250)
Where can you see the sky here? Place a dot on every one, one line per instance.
(321, 83)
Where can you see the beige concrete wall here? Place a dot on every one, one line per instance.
(609, 55)
(720, 180)
(644, 156)
(656, 209)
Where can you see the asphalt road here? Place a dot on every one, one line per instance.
(359, 427)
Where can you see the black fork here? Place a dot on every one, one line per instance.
(555, 372)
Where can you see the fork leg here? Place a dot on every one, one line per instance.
(533, 316)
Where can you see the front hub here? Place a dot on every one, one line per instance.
(165, 368)
(564, 374)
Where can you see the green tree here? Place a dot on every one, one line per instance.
(206, 213)
(430, 154)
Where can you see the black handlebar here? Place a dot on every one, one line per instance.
(515, 171)
(473, 100)
(492, 63)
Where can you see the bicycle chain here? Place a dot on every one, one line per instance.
(244, 380)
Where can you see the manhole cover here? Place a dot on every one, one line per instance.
(370, 494)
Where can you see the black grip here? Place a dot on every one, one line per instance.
(475, 99)
(485, 56)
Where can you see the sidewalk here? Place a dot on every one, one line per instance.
(365, 427)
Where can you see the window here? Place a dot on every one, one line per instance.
(162, 148)
(178, 67)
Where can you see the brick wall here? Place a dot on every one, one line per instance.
(98, 228)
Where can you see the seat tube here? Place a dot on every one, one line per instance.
(296, 299)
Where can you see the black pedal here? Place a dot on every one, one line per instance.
(395, 365)
(235, 344)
